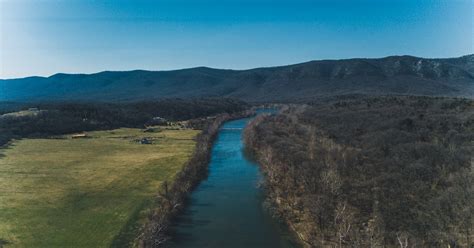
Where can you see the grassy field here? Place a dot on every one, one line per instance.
(84, 192)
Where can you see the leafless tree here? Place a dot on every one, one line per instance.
(342, 222)
(402, 238)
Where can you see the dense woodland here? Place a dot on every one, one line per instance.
(371, 172)
(61, 118)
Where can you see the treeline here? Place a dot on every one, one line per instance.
(371, 171)
(60, 118)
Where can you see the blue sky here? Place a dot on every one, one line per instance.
(42, 37)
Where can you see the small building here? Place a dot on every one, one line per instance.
(157, 121)
(79, 136)
(145, 141)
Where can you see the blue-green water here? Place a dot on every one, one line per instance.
(226, 209)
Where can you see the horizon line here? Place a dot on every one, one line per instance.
(230, 69)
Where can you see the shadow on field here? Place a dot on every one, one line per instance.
(3, 149)
(3, 242)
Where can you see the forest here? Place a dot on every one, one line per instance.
(391, 171)
(57, 118)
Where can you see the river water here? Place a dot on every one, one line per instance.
(225, 210)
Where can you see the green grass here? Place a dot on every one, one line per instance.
(84, 192)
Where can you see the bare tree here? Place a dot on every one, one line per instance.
(402, 238)
(343, 223)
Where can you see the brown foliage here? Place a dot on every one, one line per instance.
(371, 172)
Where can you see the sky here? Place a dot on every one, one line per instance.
(44, 37)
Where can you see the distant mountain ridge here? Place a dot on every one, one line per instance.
(390, 75)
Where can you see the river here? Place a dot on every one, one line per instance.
(225, 210)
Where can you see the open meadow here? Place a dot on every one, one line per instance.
(85, 192)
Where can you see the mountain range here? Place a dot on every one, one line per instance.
(401, 75)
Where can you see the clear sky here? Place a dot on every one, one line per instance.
(42, 37)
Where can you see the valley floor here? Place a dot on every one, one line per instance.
(87, 192)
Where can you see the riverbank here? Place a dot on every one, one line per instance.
(171, 199)
(226, 209)
(282, 205)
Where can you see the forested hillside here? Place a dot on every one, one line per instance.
(291, 83)
(371, 172)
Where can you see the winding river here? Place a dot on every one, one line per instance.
(225, 210)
